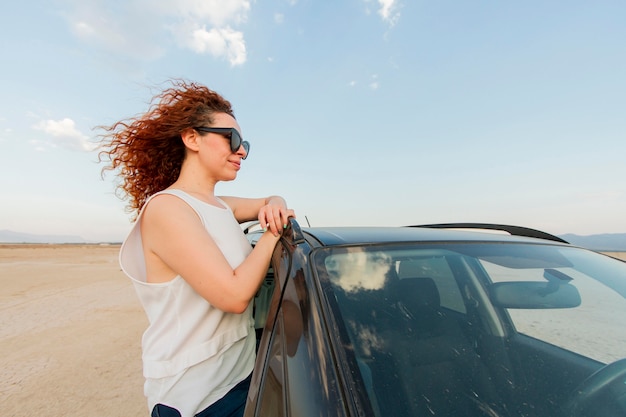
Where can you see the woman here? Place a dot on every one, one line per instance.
(192, 267)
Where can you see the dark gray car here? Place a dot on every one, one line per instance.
(413, 321)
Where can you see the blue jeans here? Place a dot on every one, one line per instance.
(230, 405)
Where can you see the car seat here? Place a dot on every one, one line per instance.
(433, 367)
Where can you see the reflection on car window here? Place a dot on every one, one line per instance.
(271, 396)
(593, 329)
(358, 269)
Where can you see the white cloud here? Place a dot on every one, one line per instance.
(279, 18)
(374, 84)
(224, 42)
(218, 13)
(139, 28)
(358, 270)
(192, 17)
(64, 134)
(387, 9)
(115, 28)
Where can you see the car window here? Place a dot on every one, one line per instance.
(486, 328)
(262, 300)
(403, 308)
(437, 268)
(593, 329)
(271, 390)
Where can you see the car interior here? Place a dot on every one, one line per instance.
(437, 344)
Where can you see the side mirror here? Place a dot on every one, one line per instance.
(534, 295)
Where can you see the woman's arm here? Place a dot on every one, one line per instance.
(272, 212)
(176, 243)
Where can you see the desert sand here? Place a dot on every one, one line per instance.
(70, 333)
(617, 255)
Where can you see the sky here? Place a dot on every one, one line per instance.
(359, 112)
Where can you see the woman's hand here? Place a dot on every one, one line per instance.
(275, 215)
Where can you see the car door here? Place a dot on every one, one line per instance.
(296, 373)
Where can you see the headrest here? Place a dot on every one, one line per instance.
(411, 268)
(418, 293)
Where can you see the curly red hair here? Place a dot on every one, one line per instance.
(147, 151)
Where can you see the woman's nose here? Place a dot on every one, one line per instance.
(243, 150)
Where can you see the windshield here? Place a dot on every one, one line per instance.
(439, 328)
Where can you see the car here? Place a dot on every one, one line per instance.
(443, 320)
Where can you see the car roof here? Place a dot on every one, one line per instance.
(331, 236)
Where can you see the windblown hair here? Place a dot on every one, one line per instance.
(147, 151)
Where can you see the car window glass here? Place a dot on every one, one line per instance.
(432, 326)
(407, 321)
(437, 268)
(271, 391)
(262, 300)
(592, 329)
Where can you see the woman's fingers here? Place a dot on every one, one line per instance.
(275, 218)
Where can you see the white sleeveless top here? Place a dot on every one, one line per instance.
(193, 353)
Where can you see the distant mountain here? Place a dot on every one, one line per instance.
(8, 236)
(609, 242)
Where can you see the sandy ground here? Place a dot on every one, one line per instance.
(70, 331)
(618, 255)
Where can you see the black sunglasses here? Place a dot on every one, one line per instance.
(231, 134)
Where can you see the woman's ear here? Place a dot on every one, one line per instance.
(190, 138)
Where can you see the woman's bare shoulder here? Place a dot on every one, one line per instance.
(166, 206)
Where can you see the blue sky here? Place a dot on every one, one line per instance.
(379, 112)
